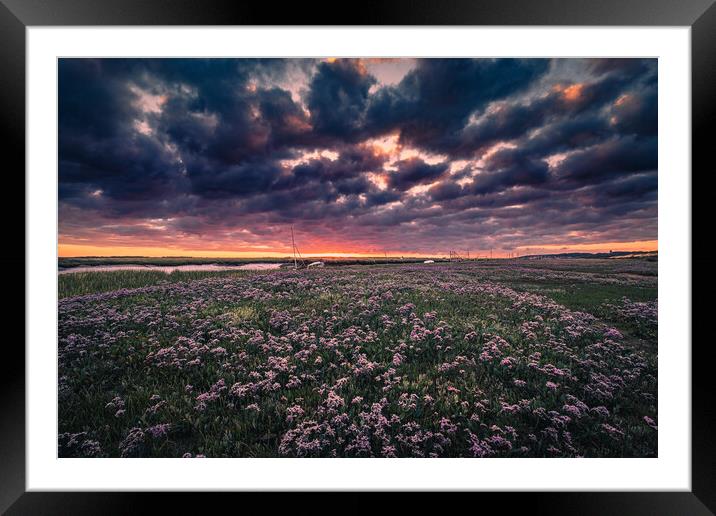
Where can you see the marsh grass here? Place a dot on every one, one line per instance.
(326, 325)
(81, 283)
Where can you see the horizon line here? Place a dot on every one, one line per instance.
(501, 256)
(75, 250)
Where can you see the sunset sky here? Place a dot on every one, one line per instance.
(220, 157)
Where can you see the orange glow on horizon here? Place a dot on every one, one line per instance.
(638, 245)
(76, 250)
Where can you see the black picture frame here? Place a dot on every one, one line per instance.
(17, 15)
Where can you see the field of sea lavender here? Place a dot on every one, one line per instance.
(444, 360)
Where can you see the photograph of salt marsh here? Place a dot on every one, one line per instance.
(357, 257)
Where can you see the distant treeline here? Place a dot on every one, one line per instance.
(614, 254)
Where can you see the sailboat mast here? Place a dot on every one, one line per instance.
(293, 244)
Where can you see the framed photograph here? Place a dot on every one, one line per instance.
(425, 248)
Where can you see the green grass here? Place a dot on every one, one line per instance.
(82, 283)
(600, 300)
(588, 297)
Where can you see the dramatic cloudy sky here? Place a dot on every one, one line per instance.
(222, 156)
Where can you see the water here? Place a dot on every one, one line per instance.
(171, 268)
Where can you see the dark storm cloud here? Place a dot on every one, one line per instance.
(433, 102)
(637, 113)
(414, 172)
(338, 97)
(566, 134)
(208, 145)
(523, 171)
(90, 101)
(621, 66)
(233, 180)
(620, 156)
(445, 190)
(346, 172)
(568, 115)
